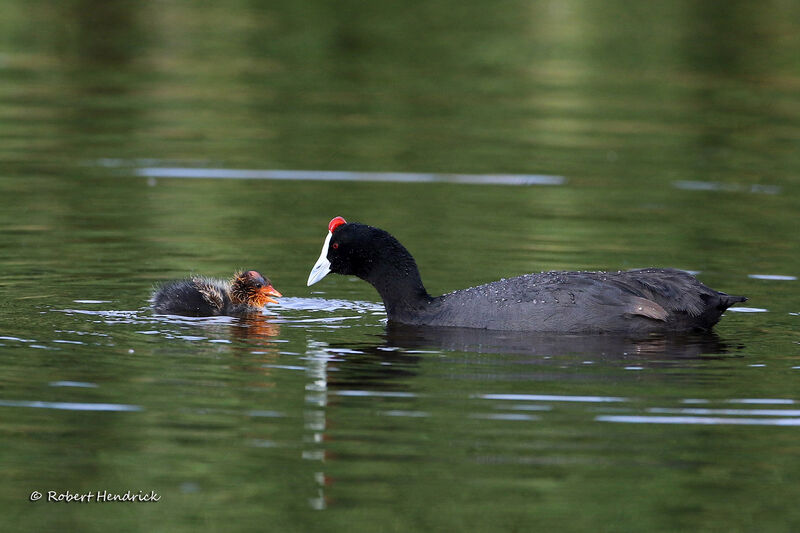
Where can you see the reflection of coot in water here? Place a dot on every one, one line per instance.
(528, 343)
(627, 302)
(389, 367)
(248, 292)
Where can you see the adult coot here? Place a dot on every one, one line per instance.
(631, 302)
(199, 296)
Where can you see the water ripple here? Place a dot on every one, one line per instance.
(772, 277)
(324, 304)
(84, 384)
(504, 416)
(763, 401)
(703, 420)
(377, 394)
(325, 175)
(71, 406)
(737, 412)
(411, 414)
(17, 339)
(551, 398)
(689, 185)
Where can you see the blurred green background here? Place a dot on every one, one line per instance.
(589, 89)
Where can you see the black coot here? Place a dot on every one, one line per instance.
(634, 301)
(248, 292)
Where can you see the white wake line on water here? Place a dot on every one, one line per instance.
(702, 420)
(346, 175)
(772, 277)
(71, 406)
(550, 398)
(725, 412)
(690, 185)
(604, 399)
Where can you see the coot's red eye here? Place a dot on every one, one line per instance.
(335, 245)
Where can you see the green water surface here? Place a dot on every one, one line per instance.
(672, 127)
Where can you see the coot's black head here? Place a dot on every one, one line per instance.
(363, 251)
(252, 288)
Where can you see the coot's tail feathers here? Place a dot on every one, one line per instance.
(727, 300)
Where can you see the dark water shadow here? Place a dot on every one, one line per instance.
(374, 368)
(690, 346)
(388, 365)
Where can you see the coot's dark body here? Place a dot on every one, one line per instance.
(633, 301)
(200, 296)
(629, 302)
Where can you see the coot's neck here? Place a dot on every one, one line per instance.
(396, 278)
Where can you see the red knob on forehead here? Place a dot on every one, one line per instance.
(253, 275)
(335, 223)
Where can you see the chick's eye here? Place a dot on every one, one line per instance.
(335, 245)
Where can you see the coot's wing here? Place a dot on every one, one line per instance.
(211, 291)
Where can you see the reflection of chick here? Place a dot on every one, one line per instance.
(248, 292)
(256, 330)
